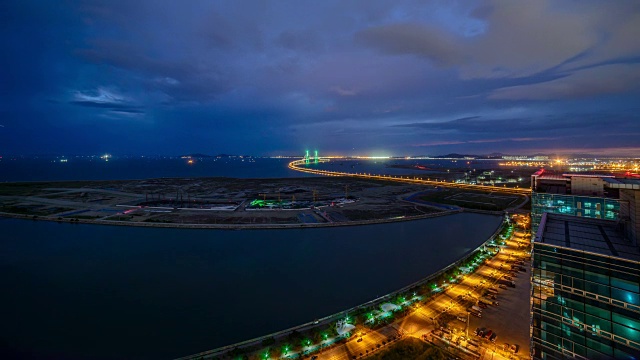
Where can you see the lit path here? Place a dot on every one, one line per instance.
(422, 320)
(296, 165)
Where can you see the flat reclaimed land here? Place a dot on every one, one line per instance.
(216, 202)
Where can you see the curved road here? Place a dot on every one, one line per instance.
(295, 165)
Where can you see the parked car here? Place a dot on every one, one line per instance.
(487, 334)
(502, 286)
(493, 337)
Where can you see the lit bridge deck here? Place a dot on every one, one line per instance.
(295, 165)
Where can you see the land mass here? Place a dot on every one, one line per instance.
(228, 202)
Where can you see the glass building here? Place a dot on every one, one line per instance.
(585, 301)
(574, 205)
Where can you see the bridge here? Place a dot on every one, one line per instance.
(300, 165)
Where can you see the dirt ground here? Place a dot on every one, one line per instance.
(215, 200)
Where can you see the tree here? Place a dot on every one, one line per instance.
(433, 353)
(268, 341)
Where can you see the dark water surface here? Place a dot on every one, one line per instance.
(78, 291)
(142, 168)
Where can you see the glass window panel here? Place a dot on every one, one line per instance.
(596, 311)
(625, 284)
(599, 347)
(596, 277)
(626, 321)
(626, 332)
(626, 296)
(595, 323)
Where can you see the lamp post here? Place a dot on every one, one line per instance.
(467, 327)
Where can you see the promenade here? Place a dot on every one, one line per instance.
(427, 316)
(424, 319)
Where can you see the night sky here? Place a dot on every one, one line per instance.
(344, 77)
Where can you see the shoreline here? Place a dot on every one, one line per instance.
(223, 350)
(239, 226)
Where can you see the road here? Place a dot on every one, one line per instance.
(294, 165)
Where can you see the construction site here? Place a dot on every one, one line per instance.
(216, 201)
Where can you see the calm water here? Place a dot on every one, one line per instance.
(121, 169)
(386, 166)
(89, 291)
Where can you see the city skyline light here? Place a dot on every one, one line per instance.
(378, 78)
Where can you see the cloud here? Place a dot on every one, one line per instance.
(106, 99)
(413, 39)
(606, 79)
(566, 124)
(343, 92)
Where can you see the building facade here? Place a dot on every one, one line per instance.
(573, 205)
(585, 300)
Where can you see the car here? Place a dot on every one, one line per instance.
(487, 334)
(359, 339)
(493, 337)
(476, 314)
(514, 348)
(502, 286)
(463, 319)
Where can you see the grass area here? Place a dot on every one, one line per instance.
(410, 349)
(472, 199)
(37, 188)
(361, 214)
(32, 209)
(84, 217)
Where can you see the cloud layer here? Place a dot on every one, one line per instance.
(271, 78)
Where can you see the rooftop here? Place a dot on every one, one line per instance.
(590, 235)
(619, 183)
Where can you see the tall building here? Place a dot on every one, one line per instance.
(585, 300)
(586, 195)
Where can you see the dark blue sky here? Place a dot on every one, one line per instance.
(350, 77)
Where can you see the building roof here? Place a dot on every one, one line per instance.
(553, 177)
(589, 235)
(619, 183)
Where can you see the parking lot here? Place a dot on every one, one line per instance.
(510, 320)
